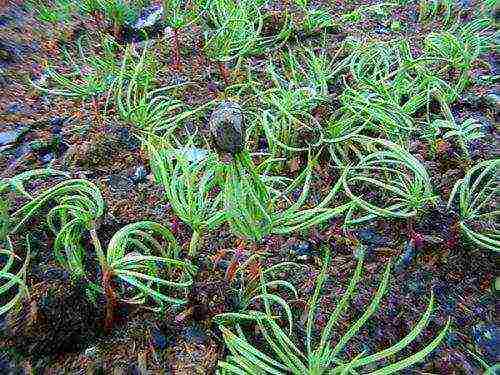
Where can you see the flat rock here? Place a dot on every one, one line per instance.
(149, 17)
(9, 136)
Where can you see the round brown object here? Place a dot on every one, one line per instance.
(227, 127)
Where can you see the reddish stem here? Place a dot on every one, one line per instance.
(175, 50)
(116, 30)
(111, 301)
(224, 72)
(201, 56)
(95, 105)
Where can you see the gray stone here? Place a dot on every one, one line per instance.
(193, 154)
(8, 137)
(139, 175)
(149, 17)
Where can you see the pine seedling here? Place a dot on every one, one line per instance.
(284, 356)
(476, 194)
(191, 179)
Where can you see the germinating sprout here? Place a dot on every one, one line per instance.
(151, 267)
(284, 356)
(374, 107)
(143, 255)
(476, 194)
(415, 80)
(138, 102)
(119, 12)
(318, 71)
(89, 77)
(142, 258)
(289, 103)
(191, 178)
(75, 205)
(447, 46)
(180, 14)
(429, 9)
(391, 175)
(257, 288)
(53, 12)
(459, 48)
(89, 6)
(9, 277)
(316, 20)
(371, 61)
(284, 130)
(464, 133)
(77, 85)
(256, 207)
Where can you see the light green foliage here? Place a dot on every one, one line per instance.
(430, 9)
(89, 77)
(316, 20)
(11, 276)
(462, 45)
(75, 205)
(142, 254)
(236, 32)
(431, 132)
(259, 289)
(374, 106)
(414, 81)
(464, 132)
(256, 206)
(53, 12)
(4, 214)
(283, 356)
(137, 100)
(458, 49)
(289, 101)
(371, 61)
(389, 171)
(319, 70)
(120, 12)
(77, 84)
(476, 194)
(89, 6)
(190, 178)
(178, 15)
(136, 257)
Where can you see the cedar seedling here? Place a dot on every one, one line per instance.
(143, 254)
(285, 357)
(191, 178)
(257, 207)
(476, 194)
